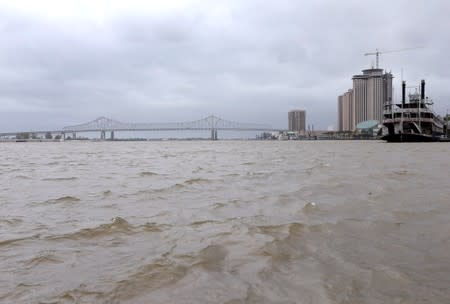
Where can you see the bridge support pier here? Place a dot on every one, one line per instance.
(102, 135)
(112, 135)
(213, 134)
(74, 135)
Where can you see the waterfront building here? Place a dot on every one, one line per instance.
(371, 90)
(297, 121)
(368, 128)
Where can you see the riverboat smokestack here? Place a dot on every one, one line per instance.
(403, 93)
(422, 90)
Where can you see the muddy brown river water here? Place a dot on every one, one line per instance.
(224, 222)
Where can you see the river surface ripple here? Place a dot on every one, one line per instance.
(224, 222)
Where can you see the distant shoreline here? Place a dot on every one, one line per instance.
(8, 140)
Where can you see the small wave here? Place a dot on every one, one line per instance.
(10, 222)
(147, 173)
(221, 205)
(53, 163)
(316, 166)
(232, 175)
(296, 229)
(278, 160)
(309, 207)
(169, 155)
(175, 187)
(270, 229)
(415, 214)
(23, 177)
(197, 181)
(154, 192)
(11, 241)
(14, 170)
(199, 223)
(17, 291)
(165, 272)
(117, 226)
(42, 259)
(257, 173)
(17, 240)
(212, 258)
(170, 188)
(280, 231)
(251, 296)
(218, 205)
(140, 192)
(110, 206)
(153, 227)
(79, 295)
(401, 172)
(286, 244)
(197, 170)
(60, 179)
(63, 199)
(158, 274)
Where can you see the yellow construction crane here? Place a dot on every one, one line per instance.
(377, 53)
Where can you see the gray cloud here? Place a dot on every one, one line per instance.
(243, 60)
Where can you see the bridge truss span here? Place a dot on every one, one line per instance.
(211, 123)
(208, 123)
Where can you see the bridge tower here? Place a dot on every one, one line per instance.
(112, 135)
(103, 135)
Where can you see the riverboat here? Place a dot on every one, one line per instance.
(413, 121)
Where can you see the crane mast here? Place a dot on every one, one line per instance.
(377, 55)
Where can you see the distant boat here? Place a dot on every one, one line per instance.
(414, 121)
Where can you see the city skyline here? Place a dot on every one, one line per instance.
(67, 62)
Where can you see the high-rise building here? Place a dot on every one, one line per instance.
(366, 100)
(340, 110)
(371, 91)
(346, 109)
(297, 121)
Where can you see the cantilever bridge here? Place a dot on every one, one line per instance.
(104, 125)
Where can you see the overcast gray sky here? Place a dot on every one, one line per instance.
(68, 62)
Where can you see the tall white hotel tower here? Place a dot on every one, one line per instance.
(366, 100)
